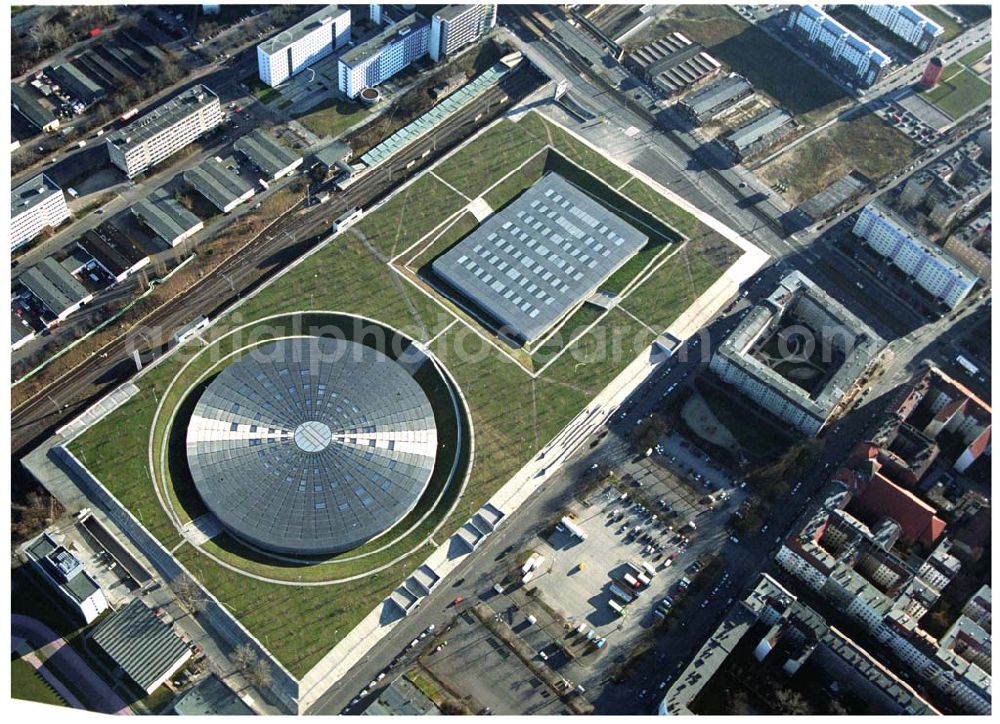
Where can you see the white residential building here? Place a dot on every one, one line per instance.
(64, 572)
(906, 22)
(296, 48)
(162, 132)
(455, 26)
(861, 60)
(375, 61)
(35, 205)
(930, 267)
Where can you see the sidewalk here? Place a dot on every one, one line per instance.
(104, 699)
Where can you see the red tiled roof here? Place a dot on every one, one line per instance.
(978, 446)
(917, 519)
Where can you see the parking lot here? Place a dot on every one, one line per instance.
(621, 535)
(488, 674)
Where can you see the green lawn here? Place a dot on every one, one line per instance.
(512, 186)
(409, 215)
(939, 16)
(28, 685)
(958, 91)
(260, 90)
(974, 55)
(332, 117)
(771, 67)
(351, 275)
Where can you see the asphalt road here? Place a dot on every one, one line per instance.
(264, 256)
(67, 665)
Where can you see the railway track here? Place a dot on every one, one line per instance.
(35, 419)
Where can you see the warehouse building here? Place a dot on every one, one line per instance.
(222, 187)
(140, 646)
(119, 255)
(378, 59)
(672, 64)
(530, 264)
(929, 266)
(455, 26)
(705, 104)
(55, 288)
(863, 63)
(24, 102)
(799, 354)
(906, 22)
(75, 83)
(296, 48)
(35, 205)
(65, 573)
(162, 132)
(759, 133)
(165, 217)
(267, 155)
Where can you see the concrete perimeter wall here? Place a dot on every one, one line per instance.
(284, 688)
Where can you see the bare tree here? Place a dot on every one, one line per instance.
(189, 593)
(244, 658)
(41, 36)
(32, 515)
(260, 674)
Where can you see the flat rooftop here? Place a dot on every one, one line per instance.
(393, 33)
(301, 29)
(797, 301)
(217, 183)
(112, 249)
(159, 119)
(529, 264)
(31, 193)
(922, 241)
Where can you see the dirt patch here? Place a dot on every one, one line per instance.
(863, 143)
(706, 425)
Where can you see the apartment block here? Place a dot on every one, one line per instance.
(907, 23)
(162, 132)
(929, 266)
(378, 59)
(854, 568)
(972, 245)
(296, 48)
(862, 62)
(822, 348)
(455, 26)
(788, 634)
(35, 205)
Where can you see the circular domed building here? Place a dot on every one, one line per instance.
(311, 446)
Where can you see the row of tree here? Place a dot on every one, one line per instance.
(50, 35)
